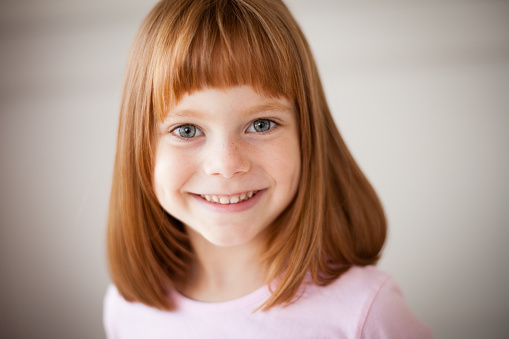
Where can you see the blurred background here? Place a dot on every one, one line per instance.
(419, 90)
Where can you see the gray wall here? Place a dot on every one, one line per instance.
(420, 92)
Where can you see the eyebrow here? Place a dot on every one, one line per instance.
(269, 107)
(184, 113)
(266, 107)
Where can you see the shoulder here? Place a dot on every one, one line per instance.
(366, 302)
(110, 300)
(113, 304)
(356, 288)
(124, 319)
(362, 279)
(384, 311)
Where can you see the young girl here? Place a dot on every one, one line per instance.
(236, 209)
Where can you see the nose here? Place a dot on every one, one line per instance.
(227, 157)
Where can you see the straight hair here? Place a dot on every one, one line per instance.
(335, 220)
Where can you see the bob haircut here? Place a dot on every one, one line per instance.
(335, 220)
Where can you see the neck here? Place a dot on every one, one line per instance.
(223, 273)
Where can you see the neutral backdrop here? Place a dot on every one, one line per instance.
(419, 90)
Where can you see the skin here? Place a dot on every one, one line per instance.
(227, 142)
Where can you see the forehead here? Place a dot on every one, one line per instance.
(236, 101)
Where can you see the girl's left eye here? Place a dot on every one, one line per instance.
(261, 125)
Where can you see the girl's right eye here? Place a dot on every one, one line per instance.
(187, 131)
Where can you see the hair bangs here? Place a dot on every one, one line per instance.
(224, 44)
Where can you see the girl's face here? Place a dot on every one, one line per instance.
(227, 162)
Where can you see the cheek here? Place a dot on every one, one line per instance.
(285, 164)
(171, 170)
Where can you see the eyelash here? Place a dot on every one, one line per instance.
(272, 126)
(175, 131)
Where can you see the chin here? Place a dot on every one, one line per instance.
(227, 236)
(228, 241)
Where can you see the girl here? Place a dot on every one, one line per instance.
(236, 209)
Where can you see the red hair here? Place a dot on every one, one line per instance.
(335, 220)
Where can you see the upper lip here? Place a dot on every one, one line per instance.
(228, 199)
(229, 194)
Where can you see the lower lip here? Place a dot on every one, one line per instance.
(229, 208)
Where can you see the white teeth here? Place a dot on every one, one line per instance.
(224, 199)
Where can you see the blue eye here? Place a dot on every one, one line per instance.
(187, 131)
(261, 125)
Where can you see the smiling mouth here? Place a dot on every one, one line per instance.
(228, 199)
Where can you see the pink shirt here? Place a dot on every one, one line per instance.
(363, 303)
